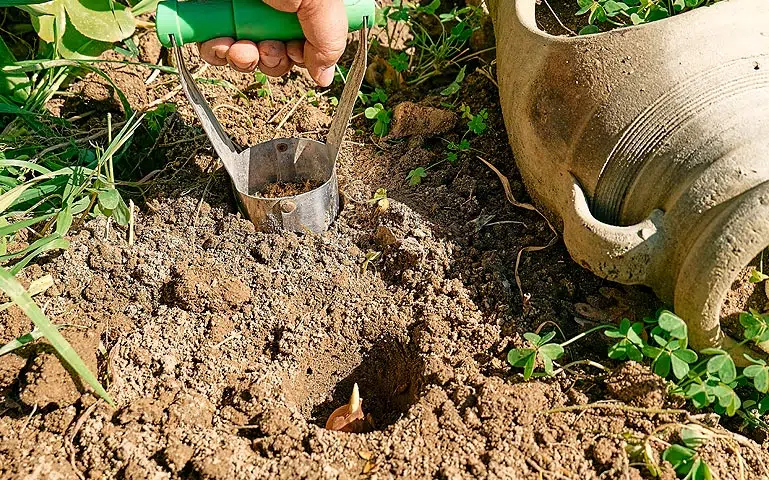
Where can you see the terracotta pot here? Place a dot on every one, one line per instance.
(648, 146)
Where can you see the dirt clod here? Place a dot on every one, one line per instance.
(411, 119)
(636, 385)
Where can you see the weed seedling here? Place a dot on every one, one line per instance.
(381, 116)
(476, 124)
(416, 175)
(263, 83)
(620, 13)
(380, 200)
(371, 258)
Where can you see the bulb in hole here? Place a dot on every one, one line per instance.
(350, 417)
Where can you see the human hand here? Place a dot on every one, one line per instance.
(324, 23)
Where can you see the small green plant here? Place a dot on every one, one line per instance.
(434, 53)
(380, 200)
(708, 379)
(620, 13)
(263, 82)
(416, 175)
(476, 124)
(687, 463)
(541, 350)
(381, 116)
(454, 86)
(370, 259)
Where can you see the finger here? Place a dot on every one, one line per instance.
(324, 23)
(243, 56)
(273, 59)
(215, 51)
(295, 51)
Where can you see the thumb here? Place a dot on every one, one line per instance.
(324, 23)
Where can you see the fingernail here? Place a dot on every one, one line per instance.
(326, 76)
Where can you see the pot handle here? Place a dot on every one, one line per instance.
(619, 254)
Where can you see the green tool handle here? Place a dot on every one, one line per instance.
(200, 20)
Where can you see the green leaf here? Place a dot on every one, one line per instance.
(145, 6)
(701, 471)
(371, 112)
(528, 369)
(613, 8)
(693, 436)
(14, 85)
(21, 298)
(64, 220)
(657, 13)
(698, 395)
(633, 353)
(102, 20)
(662, 365)
(755, 326)
(686, 355)
(121, 214)
(532, 337)
(23, 340)
(763, 405)
(672, 324)
(760, 376)
(518, 357)
(680, 367)
(546, 338)
(109, 199)
(415, 176)
(431, 8)
(551, 350)
(380, 128)
(723, 366)
(399, 62)
(636, 19)
(651, 352)
(74, 45)
(680, 457)
(477, 124)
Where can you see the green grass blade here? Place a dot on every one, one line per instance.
(22, 224)
(20, 297)
(24, 164)
(56, 243)
(35, 288)
(23, 340)
(34, 246)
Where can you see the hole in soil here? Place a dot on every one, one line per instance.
(282, 147)
(743, 296)
(389, 376)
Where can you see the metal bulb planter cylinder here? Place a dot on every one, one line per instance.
(648, 146)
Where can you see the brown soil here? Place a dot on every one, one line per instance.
(288, 189)
(226, 349)
(410, 119)
(742, 297)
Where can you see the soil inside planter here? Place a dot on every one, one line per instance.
(288, 189)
